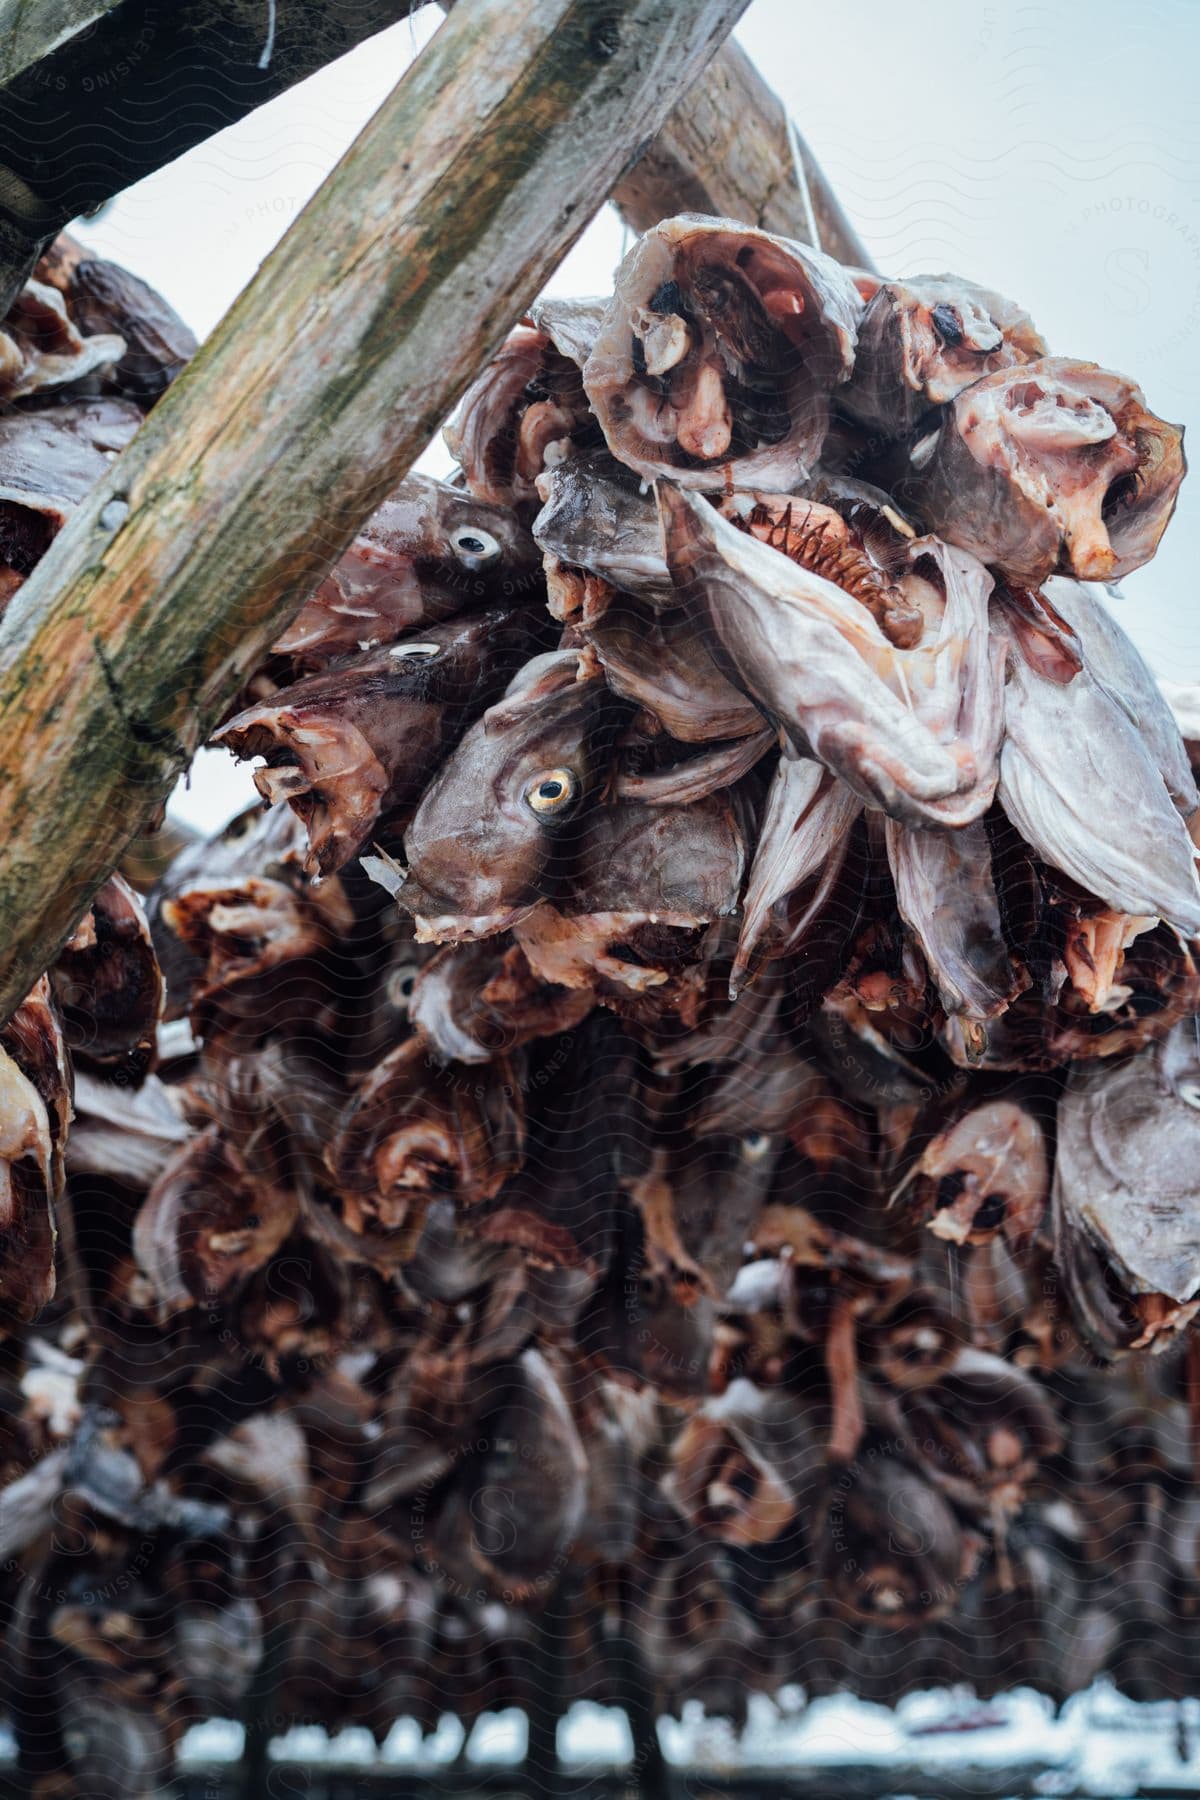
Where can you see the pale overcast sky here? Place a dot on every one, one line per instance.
(1050, 151)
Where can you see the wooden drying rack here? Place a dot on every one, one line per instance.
(320, 387)
(334, 368)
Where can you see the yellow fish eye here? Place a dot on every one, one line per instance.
(551, 792)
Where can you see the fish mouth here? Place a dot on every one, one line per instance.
(1138, 503)
(322, 766)
(433, 924)
(458, 928)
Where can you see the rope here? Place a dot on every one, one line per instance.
(810, 216)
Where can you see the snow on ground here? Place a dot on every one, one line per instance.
(1100, 1743)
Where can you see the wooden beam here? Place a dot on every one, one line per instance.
(312, 398)
(150, 82)
(96, 94)
(729, 148)
(32, 29)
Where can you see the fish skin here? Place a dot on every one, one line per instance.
(1080, 784)
(403, 572)
(805, 829)
(1110, 656)
(672, 671)
(476, 853)
(694, 778)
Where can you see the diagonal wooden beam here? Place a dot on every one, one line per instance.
(729, 148)
(311, 399)
(149, 79)
(33, 29)
(96, 94)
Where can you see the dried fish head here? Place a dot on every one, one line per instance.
(597, 515)
(922, 341)
(489, 836)
(719, 352)
(416, 1131)
(208, 1223)
(105, 300)
(646, 882)
(893, 1552)
(49, 459)
(1053, 467)
(476, 1000)
(946, 895)
(1125, 1187)
(516, 1500)
(527, 412)
(745, 1463)
(915, 732)
(428, 552)
(41, 347)
(985, 1174)
(34, 1111)
(362, 740)
(109, 985)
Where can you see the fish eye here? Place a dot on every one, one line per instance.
(400, 984)
(947, 325)
(552, 792)
(399, 651)
(475, 549)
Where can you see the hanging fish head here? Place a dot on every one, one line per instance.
(428, 552)
(893, 723)
(527, 410)
(921, 342)
(493, 832)
(1054, 466)
(718, 353)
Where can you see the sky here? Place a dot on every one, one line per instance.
(1049, 151)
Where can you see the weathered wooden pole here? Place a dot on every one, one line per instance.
(95, 94)
(151, 78)
(730, 148)
(313, 397)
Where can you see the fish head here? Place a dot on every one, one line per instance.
(718, 353)
(1054, 466)
(429, 551)
(527, 410)
(921, 342)
(491, 833)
